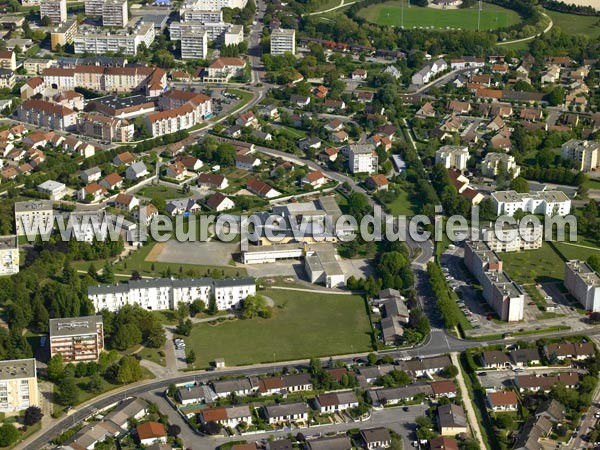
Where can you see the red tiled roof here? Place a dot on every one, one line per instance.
(151, 430)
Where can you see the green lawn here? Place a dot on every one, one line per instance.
(533, 266)
(162, 192)
(153, 354)
(402, 204)
(390, 13)
(577, 250)
(292, 133)
(137, 261)
(575, 24)
(303, 325)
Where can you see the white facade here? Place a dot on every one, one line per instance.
(36, 216)
(283, 41)
(494, 161)
(234, 35)
(452, 156)
(213, 5)
(18, 385)
(549, 203)
(511, 239)
(93, 7)
(194, 45)
(362, 158)
(56, 10)
(102, 42)
(9, 255)
(115, 13)
(583, 283)
(584, 154)
(164, 293)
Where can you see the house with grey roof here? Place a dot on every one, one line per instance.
(136, 171)
(286, 412)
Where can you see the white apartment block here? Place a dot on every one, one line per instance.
(18, 385)
(583, 283)
(164, 293)
(77, 338)
(234, 35)
(194, 45)
(115, 13)
(362, 158)
(584, 154)
(216, 30)
(93, 7)
(452, 156)
(9, 255)
(35, 215)
(549, 203)
(283, 41)
(500, 292)
(56, 10)
(200, 16)
(97, 42)
(511, 239)
(213, 5)
(494, 162)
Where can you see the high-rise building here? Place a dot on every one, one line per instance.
(36, 216)
(56, 10)
(63, 34)
(194, 45)
(77, 338)
(18, 385)
(583, 283)
(9, 255)
(93, 7)
(584, 154)
(115, 13)
(283, 41)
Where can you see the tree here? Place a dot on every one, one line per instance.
(255, 305)
(8, 435)
(46, 21)
(127, 335)
(594, 262)
(184, 327)
(155, 335)
(451, 371)
(95, 384)
(129, 370)
(173, 430)
(33, 415)
(190, 356)
(68, 392)
(372, 359)
(56, 367)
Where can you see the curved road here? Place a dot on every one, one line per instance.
(516, 41)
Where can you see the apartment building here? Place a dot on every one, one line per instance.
(93, 7)
(106, 128)
(452, 156)
(175, 98)
(7, 79)
(549, 203)
(18, 385)
(180, 110)
(362, 158)
(215, 30)
(77, 338)
(213, 5)
(164, 293)
(194, 45)
(9, 255)
(222, 69)
(234, 35)
(115, 13)
(584, 154)
(56, 10)
(283, 41)
(583, 283)
(63, 34)
(500, 292)
(96, 41)
(200, 15)
(493, 163)
(8, 60)
(34, 215)
(512, 239)
(47, 114)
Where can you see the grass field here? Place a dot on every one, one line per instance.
(402, 204)
(303, 325)
(575, 24)
(533, 266)
(390, 13)
(162, 192)
(582, 249)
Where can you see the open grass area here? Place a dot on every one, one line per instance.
(390, 13)
(137, 261)
(153, 354)
(576, 24)
(533, 266)
(303, 325)
(582, 249)
(162, 192)
(402, 205)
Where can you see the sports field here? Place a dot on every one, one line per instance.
(574, 24)
(390, 13)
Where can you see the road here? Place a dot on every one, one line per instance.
(516, 41)
(341, 5)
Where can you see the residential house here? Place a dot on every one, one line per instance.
(336, 401)
(285, 384)
(124, 159)
(531, 114)
(53, 189)
(261, 188)
(552, 410)
(359, 74)
(316, 179)
(176, 171)
(126, 202)
(330, 154)
(213, 180)
(458, 107)
(182, 206)
(395, 395)
(286, 412)
(246, 162)
(495, 359)
(544, 383)
(451, 420)
(151, 432)
(340, 137)
(228, 416)
(112, 181)
(90, 175)
(334, 125)
(425, 366)
(377, 182)
(311, 142)
(364, 96)
(524, 357)
(330, 443)
(443, 388)
(376, 438)
(300, 100)
(393, 71)
(219, 202)
(136, 171)
(92, 192)
(247, 119)
(502, 401)
(443, 443)
(145, 213)
(563, 350)
(334, 105)
(427, 110)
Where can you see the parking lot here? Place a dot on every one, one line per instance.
(180, 353)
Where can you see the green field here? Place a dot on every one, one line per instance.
(575, 24)
(532, 266)
(390, 13)
(162, 192)
(303, 325)
(582, 249)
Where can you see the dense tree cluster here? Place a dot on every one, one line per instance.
(447, 307)
(130, 326)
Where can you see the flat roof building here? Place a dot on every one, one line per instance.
(583, 283)
(56, 10)
(77, 338)
(115, 13)
(9, 255)
(549, 203)
(283, 41)
(18, 385)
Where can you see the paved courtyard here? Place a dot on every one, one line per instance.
(198, 253)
